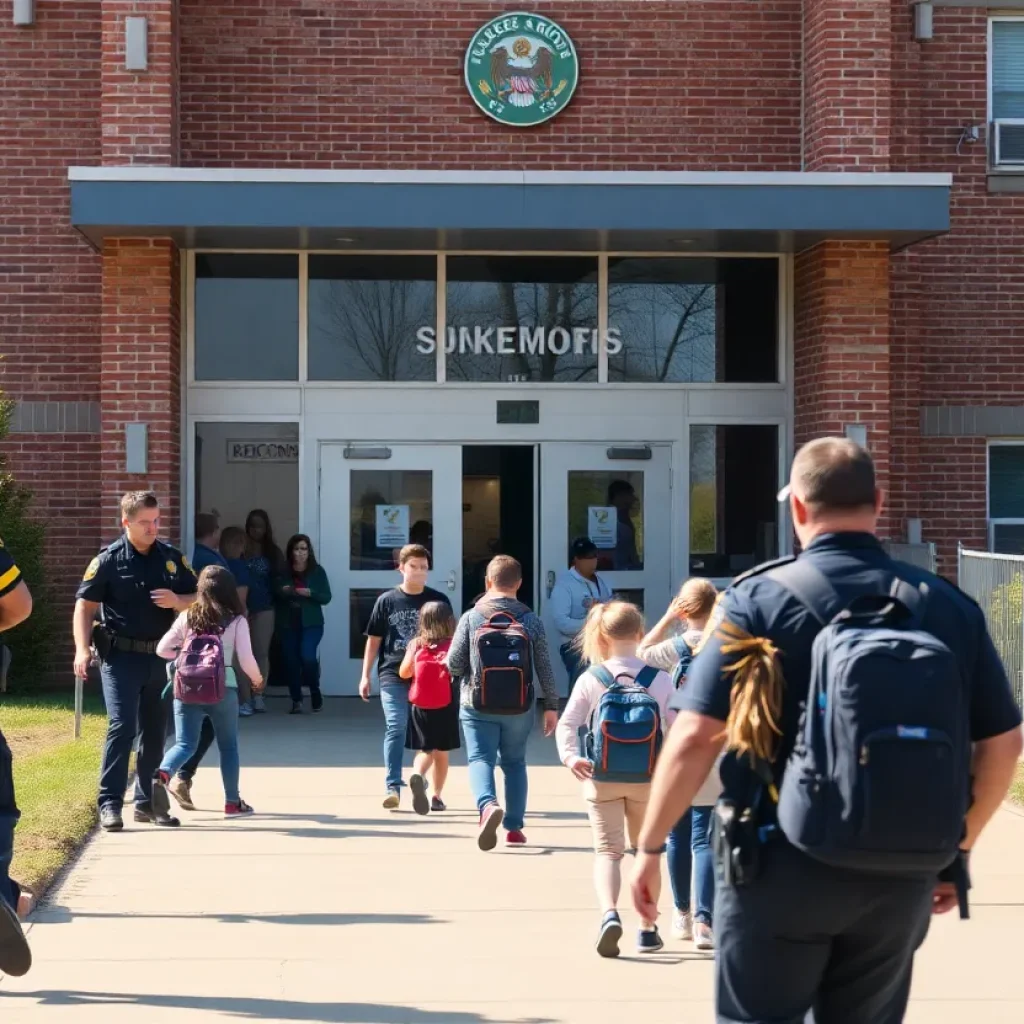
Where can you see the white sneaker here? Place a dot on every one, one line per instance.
(258, 706)
(703, 937)
(245, 710)
(682, 925)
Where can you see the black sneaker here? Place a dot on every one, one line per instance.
(609, 935)
(161, 800)
(418, 788)
(317, 701)
(648, 941)
(110, 819)
(15, 955)
(145, 814)
(437, 804)
(296, 708)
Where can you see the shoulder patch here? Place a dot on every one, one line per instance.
(188, 565)
(171, 567)
(91, 569)
(760, 570)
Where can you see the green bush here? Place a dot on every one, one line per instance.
(1006, 625)
(32, 641)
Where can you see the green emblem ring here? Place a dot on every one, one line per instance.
(521, 69)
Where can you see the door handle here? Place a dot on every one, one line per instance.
(551, 584)
(452, 581)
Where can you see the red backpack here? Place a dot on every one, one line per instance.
(431, 682)
(199, 673)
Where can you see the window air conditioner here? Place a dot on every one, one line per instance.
(1008, 142)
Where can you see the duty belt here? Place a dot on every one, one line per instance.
(124, 643)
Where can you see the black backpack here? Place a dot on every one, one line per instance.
(504, 685)
(879, 779)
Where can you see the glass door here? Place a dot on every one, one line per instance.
(374, 499)
(620, 496)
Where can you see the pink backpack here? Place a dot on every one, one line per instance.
(199, 676)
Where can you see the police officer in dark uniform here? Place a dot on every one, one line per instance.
(15, 955)
(140, 583)
(797, 938)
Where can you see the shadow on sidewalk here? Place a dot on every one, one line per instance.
(273, 1009)
(64, 915)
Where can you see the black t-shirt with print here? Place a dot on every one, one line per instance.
(395, 618)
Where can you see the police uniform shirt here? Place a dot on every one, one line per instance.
(121, 579)
(10, 574)
(855, 564)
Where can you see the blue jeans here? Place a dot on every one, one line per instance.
(299, 647)
(488, 738)
(395, 702)
(573, 662)
(188, 723)
(8, 819)
(689, 853)
(132, 688)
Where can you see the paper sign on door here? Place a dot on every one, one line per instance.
(602, 525)
(392, 526)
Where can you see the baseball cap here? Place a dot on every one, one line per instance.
(583, 547)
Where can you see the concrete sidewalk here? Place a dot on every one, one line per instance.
(324, 907)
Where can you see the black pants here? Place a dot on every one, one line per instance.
(8, 819)
(807, 942)
(206, 738)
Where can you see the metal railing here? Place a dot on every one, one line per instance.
(996, 582)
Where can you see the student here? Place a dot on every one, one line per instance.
(218, 610)
(609, 640)
(689, 847)
(232, 547)
(207, 532)
(433, 728)
(577, 590)
(503, 733)
(394, 621)
(263, 560)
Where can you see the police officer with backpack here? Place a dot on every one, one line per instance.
(871, 733)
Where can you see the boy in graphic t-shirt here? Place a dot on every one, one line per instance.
(394, 621)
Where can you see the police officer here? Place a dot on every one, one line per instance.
(802, 939)
(15, 955)
(141, 583)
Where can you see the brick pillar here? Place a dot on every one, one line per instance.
(141, 379)
(139, 109)
(842, 356)
(848, 51)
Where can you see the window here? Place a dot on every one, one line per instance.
(1007, 98)
(246, 317)
(1006, 498)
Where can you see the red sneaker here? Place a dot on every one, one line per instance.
(239, 810)
(490, 821)
(515, 837)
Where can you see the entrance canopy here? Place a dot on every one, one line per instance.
(507, 210)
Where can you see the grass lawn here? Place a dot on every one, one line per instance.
(55, 779)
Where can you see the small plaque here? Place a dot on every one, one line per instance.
(519, 412)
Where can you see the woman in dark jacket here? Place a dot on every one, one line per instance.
(301, 592)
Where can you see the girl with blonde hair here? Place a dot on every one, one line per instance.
(609, 640)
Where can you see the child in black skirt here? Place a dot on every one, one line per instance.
(433, 728)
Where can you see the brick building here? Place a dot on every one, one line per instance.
(236, 232)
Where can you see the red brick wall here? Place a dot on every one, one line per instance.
(49, 277)
(663, 86)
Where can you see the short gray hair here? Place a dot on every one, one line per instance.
(834, 474)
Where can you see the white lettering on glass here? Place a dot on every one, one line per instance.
(508, 341)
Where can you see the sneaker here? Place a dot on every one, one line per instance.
(110, 819)
(238, 810)
(609, 935)
(316, 701)
(703, 937)
(181, 790)
(437, 804)
(648, 941)
(392, 800)
(160, 802)
(245, 710)
(490, 820)
(296, 708)
(258, 705)
(682, 925)
(146, 815)
(515, 837)
(15, 954)
(418, 788)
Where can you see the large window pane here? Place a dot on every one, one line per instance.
(521, 318)
(609, 508)
(1007, 69)
(693, 320)
(734, 478)
(246, 317)
(1006, 481)
(390, 508)
(364, 315)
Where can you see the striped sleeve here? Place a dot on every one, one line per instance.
(10, 574)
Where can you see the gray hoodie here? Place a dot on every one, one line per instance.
(463, 663)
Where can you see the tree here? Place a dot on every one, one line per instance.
(32, 641)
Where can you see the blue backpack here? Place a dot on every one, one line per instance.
(685, 653)
(879, 778)
(624, 738)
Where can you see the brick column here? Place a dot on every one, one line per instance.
(139, 109)
(847, 85)
(141, 379)
(842, 356)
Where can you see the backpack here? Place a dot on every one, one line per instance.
(199, 674)
(685, 653)
(505, 656)
(624, 738)
(431, 683)
(879, 778)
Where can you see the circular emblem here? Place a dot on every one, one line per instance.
(521, 69)
(171, 567)
(91, 569)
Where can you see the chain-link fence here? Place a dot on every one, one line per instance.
(922, 555)
(996, 582)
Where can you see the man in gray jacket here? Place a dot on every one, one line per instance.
(488, 735)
